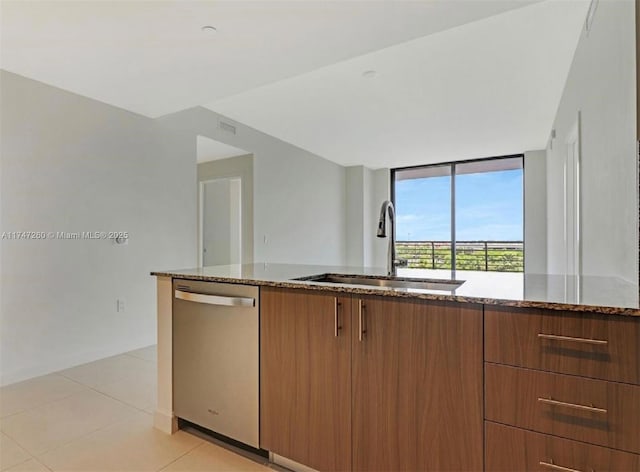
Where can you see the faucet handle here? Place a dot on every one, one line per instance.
(401, 262)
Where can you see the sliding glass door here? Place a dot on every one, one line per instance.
(423, 216)
(461, 216)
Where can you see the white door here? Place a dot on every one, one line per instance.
(572, 240)
(221, 238)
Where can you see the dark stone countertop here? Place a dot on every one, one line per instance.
(608, 295)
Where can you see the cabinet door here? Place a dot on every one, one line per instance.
(305, 383)
(417, 386)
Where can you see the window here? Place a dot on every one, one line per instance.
(461, 215)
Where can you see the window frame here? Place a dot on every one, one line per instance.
(453, 164)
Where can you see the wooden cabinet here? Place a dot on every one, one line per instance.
(565, 388)
(305, 377)
(386, 384)
(417, 386)
(398, 388)
(597, 346)
(511, 449)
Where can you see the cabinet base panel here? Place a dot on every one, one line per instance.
(289, 464)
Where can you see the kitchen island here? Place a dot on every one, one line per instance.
(556, 292)
(436, 379)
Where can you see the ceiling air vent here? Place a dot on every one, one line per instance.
(227, 127)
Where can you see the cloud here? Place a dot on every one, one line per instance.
(409, 218)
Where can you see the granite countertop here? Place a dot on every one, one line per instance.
(608, 295)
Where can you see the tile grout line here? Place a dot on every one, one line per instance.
(140, 358)
(121, 401)
(88, 387)
(47, 402)
(17, 464)
(95, 389)
(39, 454)
(19, 445)
(128, 353)
(36, 456)
(201, 443)
(39, 462)
(31, 456)
(67, 443)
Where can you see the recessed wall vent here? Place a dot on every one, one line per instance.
(226, 127)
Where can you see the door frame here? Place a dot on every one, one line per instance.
(572, 200)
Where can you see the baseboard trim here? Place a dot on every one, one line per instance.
(167, 423)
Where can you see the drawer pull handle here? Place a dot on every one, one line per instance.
(361, 326)
(576, 406)
(336, 326)
(571, 339)
(553, 466)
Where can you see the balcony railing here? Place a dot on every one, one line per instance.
(495, 256)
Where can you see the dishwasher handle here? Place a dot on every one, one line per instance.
(215, 299)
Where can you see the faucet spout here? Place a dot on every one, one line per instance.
(387, 209)
(387, 206)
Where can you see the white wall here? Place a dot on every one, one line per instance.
(74, 164)
(71, 164)
(380, 190)
(602, 86)
(299, 198)
(355, 225)
(535, 212)
(366, 190)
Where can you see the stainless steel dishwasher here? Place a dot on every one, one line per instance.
(215, 357)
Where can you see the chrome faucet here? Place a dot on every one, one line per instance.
(392, 262)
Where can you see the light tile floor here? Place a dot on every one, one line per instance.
(98, 417)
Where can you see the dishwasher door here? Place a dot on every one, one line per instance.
(216, 357)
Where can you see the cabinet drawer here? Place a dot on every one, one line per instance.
(510, 449)
(593, 411)
(597, 346)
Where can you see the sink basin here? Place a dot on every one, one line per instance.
(391, 282)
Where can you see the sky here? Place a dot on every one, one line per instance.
(488, 207)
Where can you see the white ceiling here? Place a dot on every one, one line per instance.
(211, 150)
(454, 77)
(485, 89)
(151, 57)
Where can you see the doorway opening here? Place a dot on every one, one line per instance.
(221, 216)
(225, 204)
